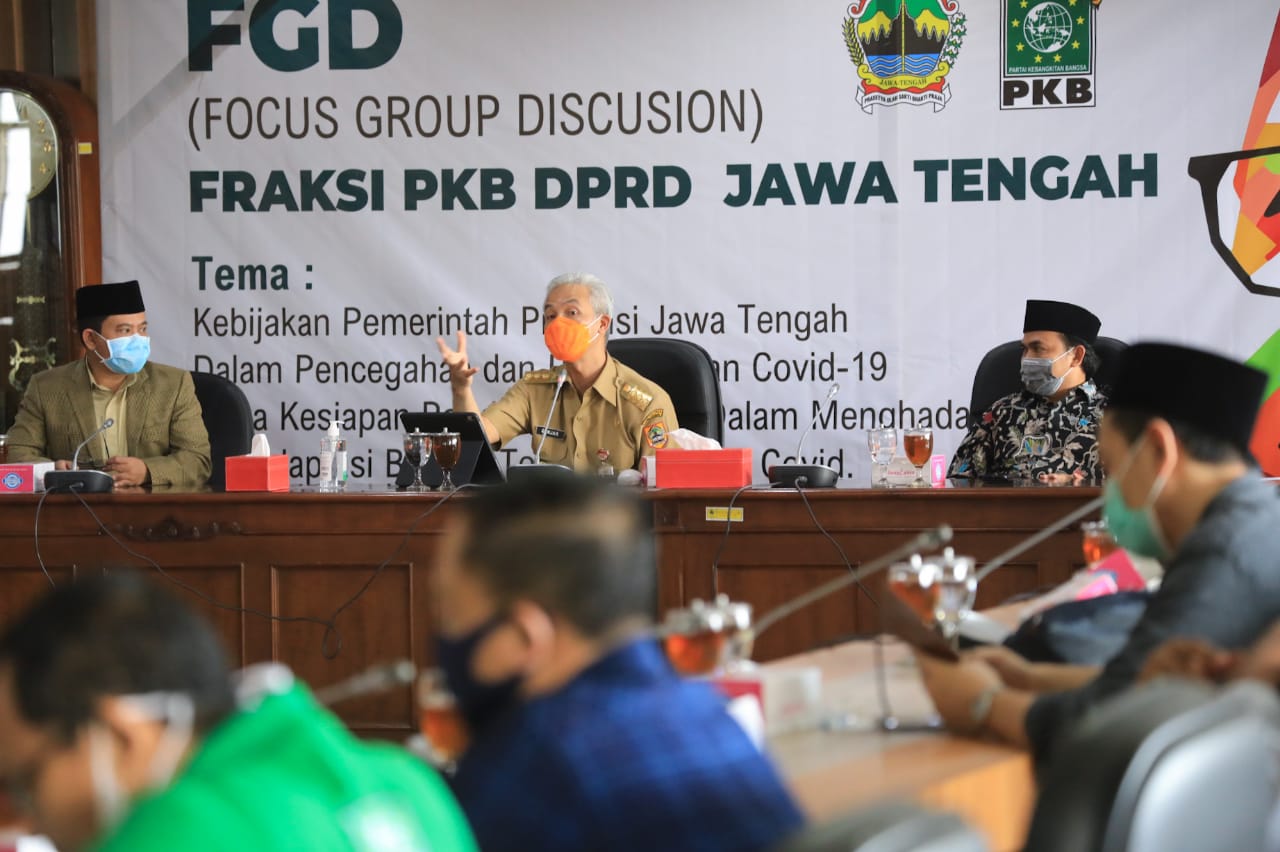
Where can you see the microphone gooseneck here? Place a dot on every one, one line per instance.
(930, 539)
(75, 457)
(1031, 541)
(831, 394)
(372, 680)
(564, 374)
(82, 481)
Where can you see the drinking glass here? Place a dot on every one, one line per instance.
(1098, 543)
(939, 590)
(954, 586)
(417, 448)
(440, 720)
(448, 449)
(904, 583)
(882, 444)
(705, 638)
(918, 444)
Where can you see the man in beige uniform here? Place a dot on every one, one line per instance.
(607, 414)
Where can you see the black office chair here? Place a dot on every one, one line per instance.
(685, 371)
(999, 372)
(889, 827)
(1174, 766)
(228, 419)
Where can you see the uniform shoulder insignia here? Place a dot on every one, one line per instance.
(637, 397)
(539, 377)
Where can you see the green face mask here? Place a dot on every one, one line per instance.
(1136, 530)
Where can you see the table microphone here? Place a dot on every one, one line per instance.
(806, 475)
(560, 379)
(83, 481)
(539, 468)
(930, 539)
(374, 679)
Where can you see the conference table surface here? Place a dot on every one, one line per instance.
(847, 762)
(331, 584)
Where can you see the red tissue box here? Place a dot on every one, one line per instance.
(702, 468)
(258, 473)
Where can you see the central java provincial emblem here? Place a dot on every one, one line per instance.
(904, 50)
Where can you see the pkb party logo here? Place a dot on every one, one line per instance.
(904, 50)
(1047, 48)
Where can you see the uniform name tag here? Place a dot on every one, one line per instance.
(550, 433)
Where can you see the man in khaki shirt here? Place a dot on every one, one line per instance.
(607, 413)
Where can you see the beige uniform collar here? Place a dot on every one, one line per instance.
(606, 384)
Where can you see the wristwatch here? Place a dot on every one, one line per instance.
(980, 709)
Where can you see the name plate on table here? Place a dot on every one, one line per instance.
(25, 478)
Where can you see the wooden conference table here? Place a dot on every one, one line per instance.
(298, 555)
(847, 763)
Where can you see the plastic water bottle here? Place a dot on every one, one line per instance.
(333, 459)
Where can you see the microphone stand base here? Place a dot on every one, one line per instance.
(541, 471)
(892, 724)
(802, 476)
(82, 481)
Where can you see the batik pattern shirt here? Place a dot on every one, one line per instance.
(1024, 435)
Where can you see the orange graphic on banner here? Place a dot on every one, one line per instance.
(1257, 239)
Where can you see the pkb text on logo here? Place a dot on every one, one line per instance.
(1047, 54)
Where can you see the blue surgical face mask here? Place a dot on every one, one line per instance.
(128, 354)
(479, 703)
(1135, 529)
(1038, 377)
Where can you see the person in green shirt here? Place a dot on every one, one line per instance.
(122, 728)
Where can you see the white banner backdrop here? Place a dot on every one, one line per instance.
(307, 228)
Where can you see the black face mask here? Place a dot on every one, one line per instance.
(480, 703)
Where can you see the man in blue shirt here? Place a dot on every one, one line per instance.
(582, 735)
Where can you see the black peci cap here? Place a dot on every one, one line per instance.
(105, 300)
(1062, 317)
(1216, 395)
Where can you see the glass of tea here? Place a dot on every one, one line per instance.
(700, 639)
(918, 445)
(417, 448)
(904, 582)
(882, 444)
(440, 720)
(1098, 543)
(939, 590)
(447, 447)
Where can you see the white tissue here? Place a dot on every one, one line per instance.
(260, 447)
(687, 439)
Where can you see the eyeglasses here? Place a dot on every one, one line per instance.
(1248, 238)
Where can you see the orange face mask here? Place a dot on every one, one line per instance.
(567, 339)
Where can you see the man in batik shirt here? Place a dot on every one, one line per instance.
(1048, 431)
